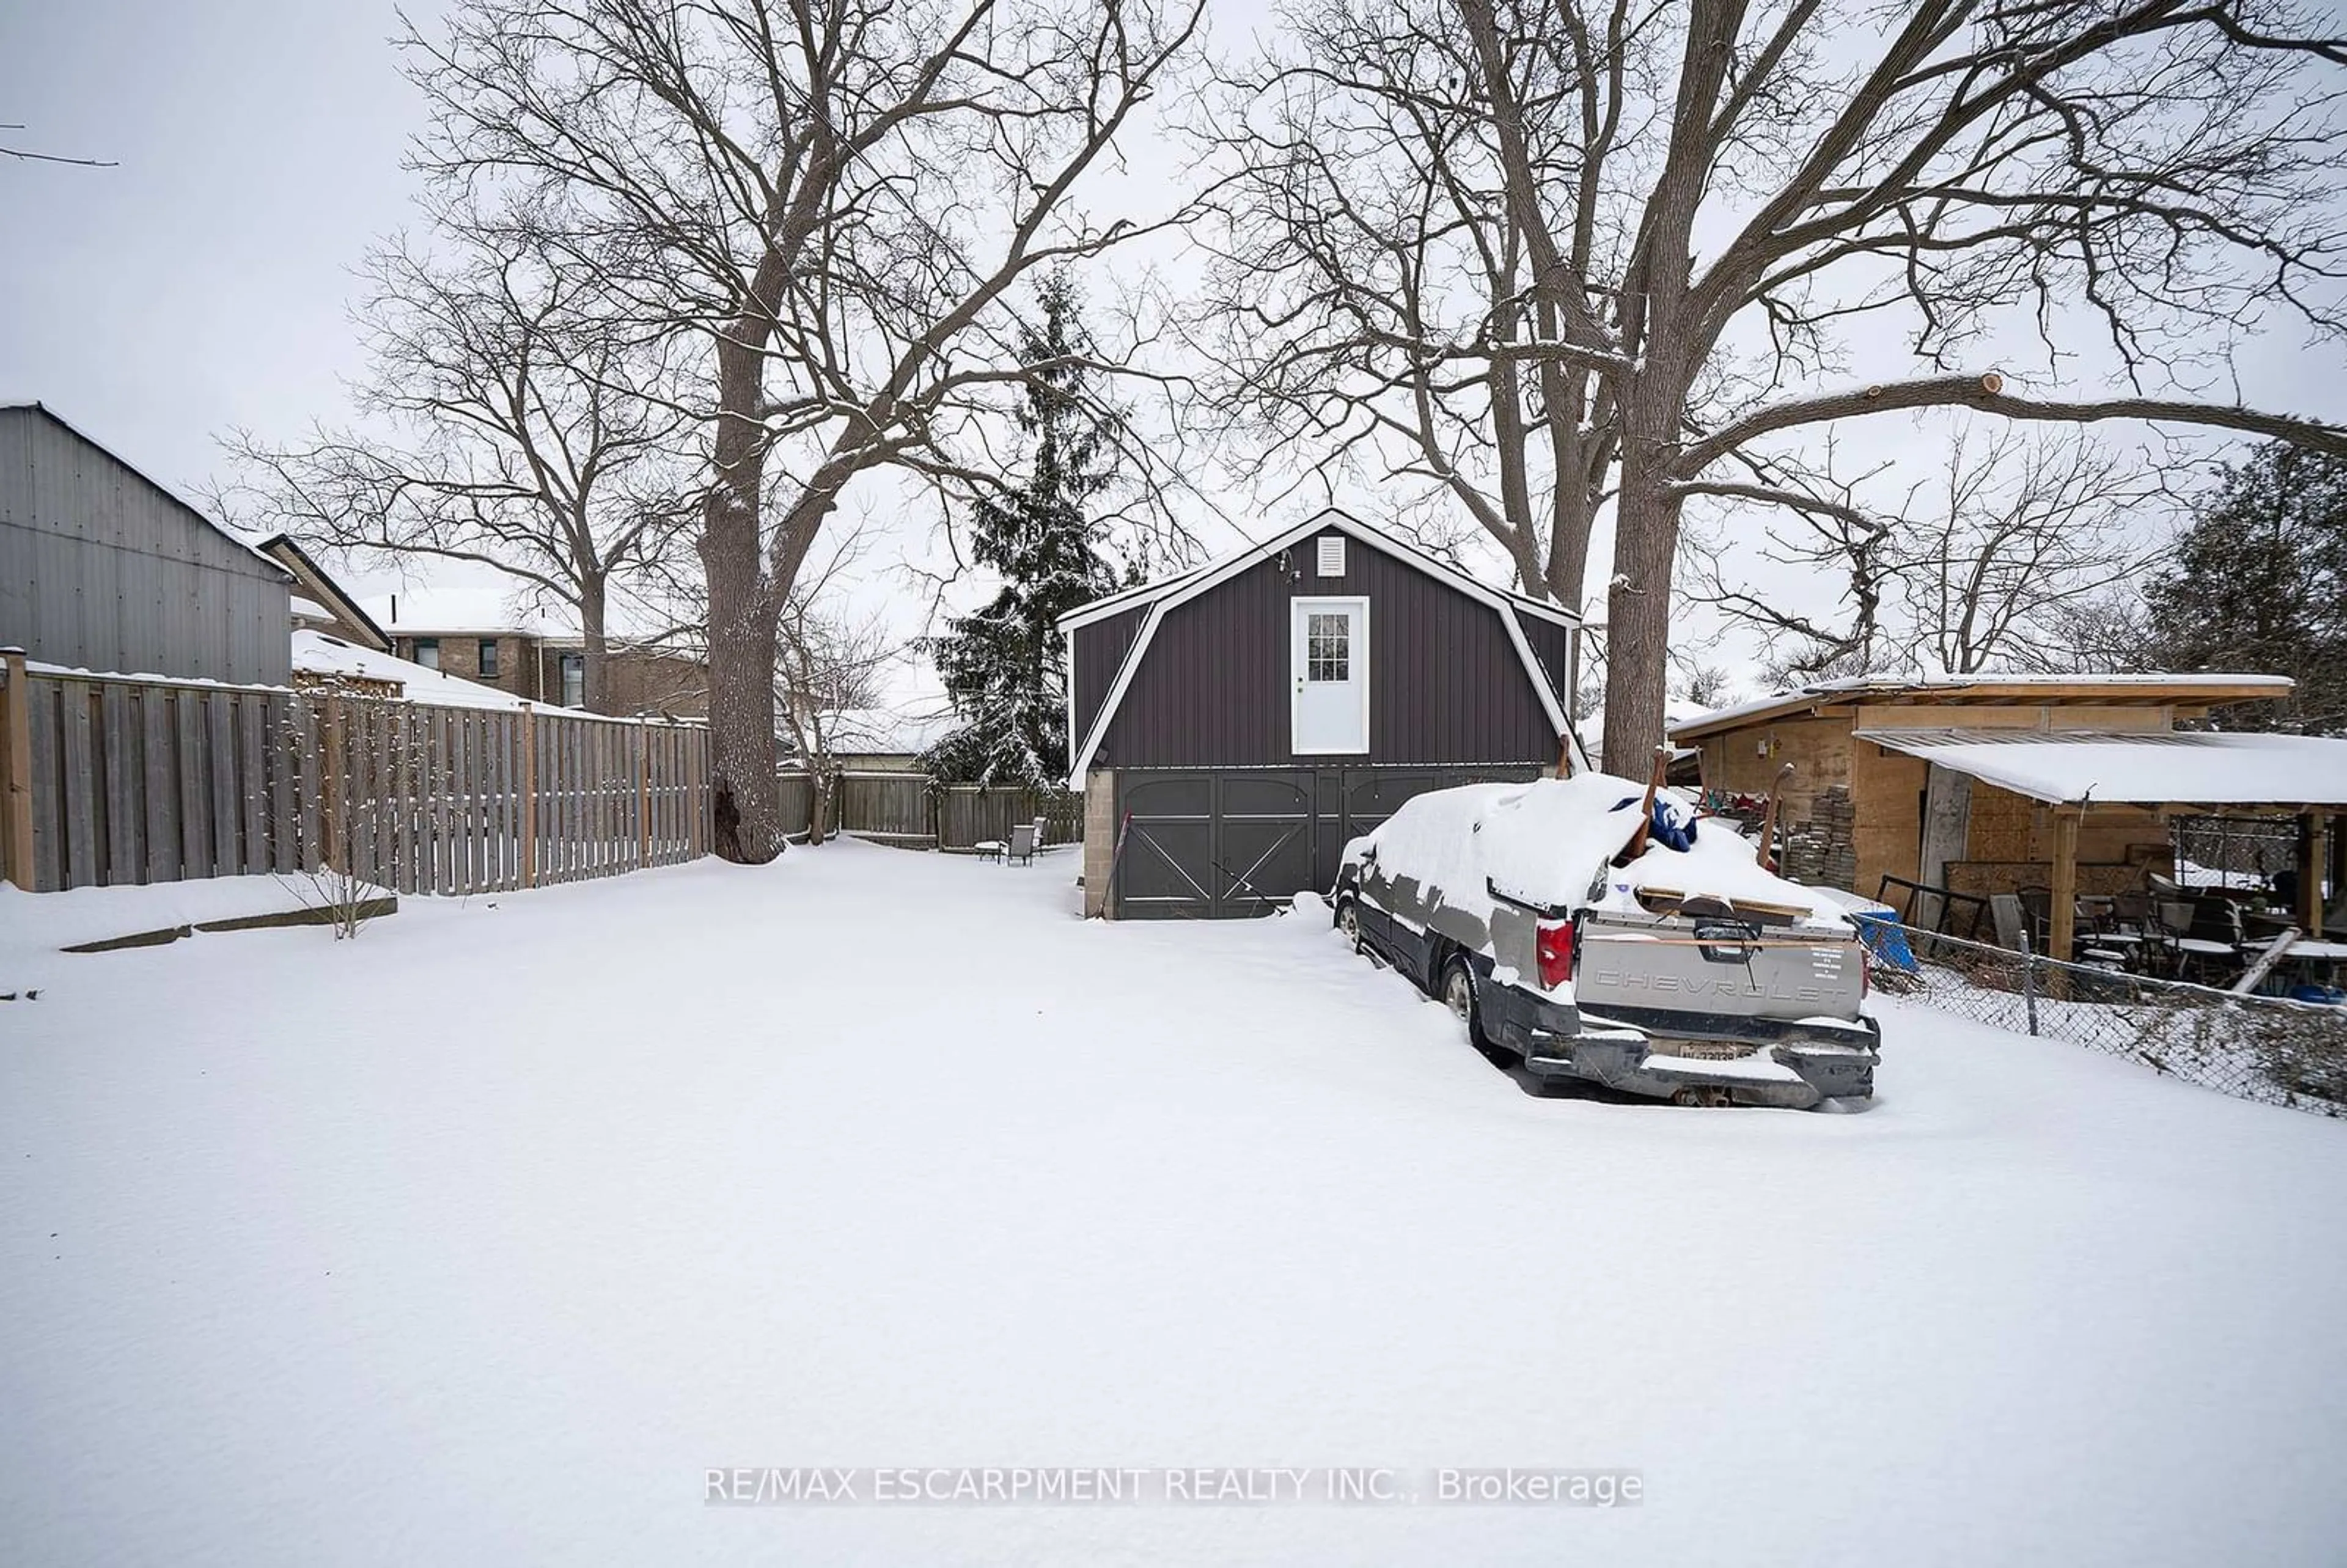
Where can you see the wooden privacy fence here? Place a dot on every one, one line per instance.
(114, 779)
(968, 815)
(916, 811)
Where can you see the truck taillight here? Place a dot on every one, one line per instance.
(1554, 943)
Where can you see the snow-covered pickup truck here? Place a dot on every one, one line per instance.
(1665, 961)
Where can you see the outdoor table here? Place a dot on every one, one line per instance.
(2204, 949)
(2129, 947)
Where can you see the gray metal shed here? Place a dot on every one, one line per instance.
(103, 569)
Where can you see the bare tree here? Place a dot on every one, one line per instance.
(1372, 292)
(1991, 565)
(1821, 532)
(2106, 634)
(517, 421)
(1702, 685)
(831, 665)
(835, 200)
(26, 155)
(1719, 202)
(2023, 532)
(828, 676)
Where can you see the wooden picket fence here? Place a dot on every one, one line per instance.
(120, 779)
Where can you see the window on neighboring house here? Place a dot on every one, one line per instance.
(574, 680)
(427, 652)
(489, 658)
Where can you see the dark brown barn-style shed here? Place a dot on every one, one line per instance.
(1232, 727)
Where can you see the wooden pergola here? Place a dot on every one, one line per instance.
(2169, 774)
(2319, 828)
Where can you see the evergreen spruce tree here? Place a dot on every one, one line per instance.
(2257, 585)
(1003, 666)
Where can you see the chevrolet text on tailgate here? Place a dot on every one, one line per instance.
(1596, 929)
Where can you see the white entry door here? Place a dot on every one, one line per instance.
(1330, 641)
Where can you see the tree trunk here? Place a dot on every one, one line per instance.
(1568, 565)
(748, 802)
(1638, 622)
(594, 648)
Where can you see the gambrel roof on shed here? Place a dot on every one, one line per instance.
(1124, 626)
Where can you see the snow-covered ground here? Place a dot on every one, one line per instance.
(481, 1239)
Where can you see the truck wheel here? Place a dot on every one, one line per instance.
(1458, 994)
(1348, 923)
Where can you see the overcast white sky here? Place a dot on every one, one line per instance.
(202, 283)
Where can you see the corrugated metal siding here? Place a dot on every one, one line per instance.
(1445, 683)
(102, 570)
(1100, 649)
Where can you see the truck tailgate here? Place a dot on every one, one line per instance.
(1634, 965)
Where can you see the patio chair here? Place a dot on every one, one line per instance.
(2037, 909)
(1021, 847)
(2210, 949)
(2011, 920)
(1041, 836)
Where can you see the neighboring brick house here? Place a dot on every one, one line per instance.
(475, 637)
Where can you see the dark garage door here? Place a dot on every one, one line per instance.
(1214, 844)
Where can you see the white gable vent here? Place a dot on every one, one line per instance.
(1332, 555)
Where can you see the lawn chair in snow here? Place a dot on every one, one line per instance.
(1021, 847)
(989, 848)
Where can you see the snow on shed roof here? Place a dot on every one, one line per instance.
(2195, 767)
(2199, 689)
(317, 653)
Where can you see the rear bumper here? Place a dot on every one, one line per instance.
(1793, 1065)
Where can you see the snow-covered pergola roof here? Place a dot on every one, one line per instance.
(2180, 767)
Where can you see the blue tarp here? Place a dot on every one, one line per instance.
(1883, 937)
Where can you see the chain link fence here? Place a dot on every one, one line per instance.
(2233, 851)
(2266, 1048)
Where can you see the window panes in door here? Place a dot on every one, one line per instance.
(1327, 646)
